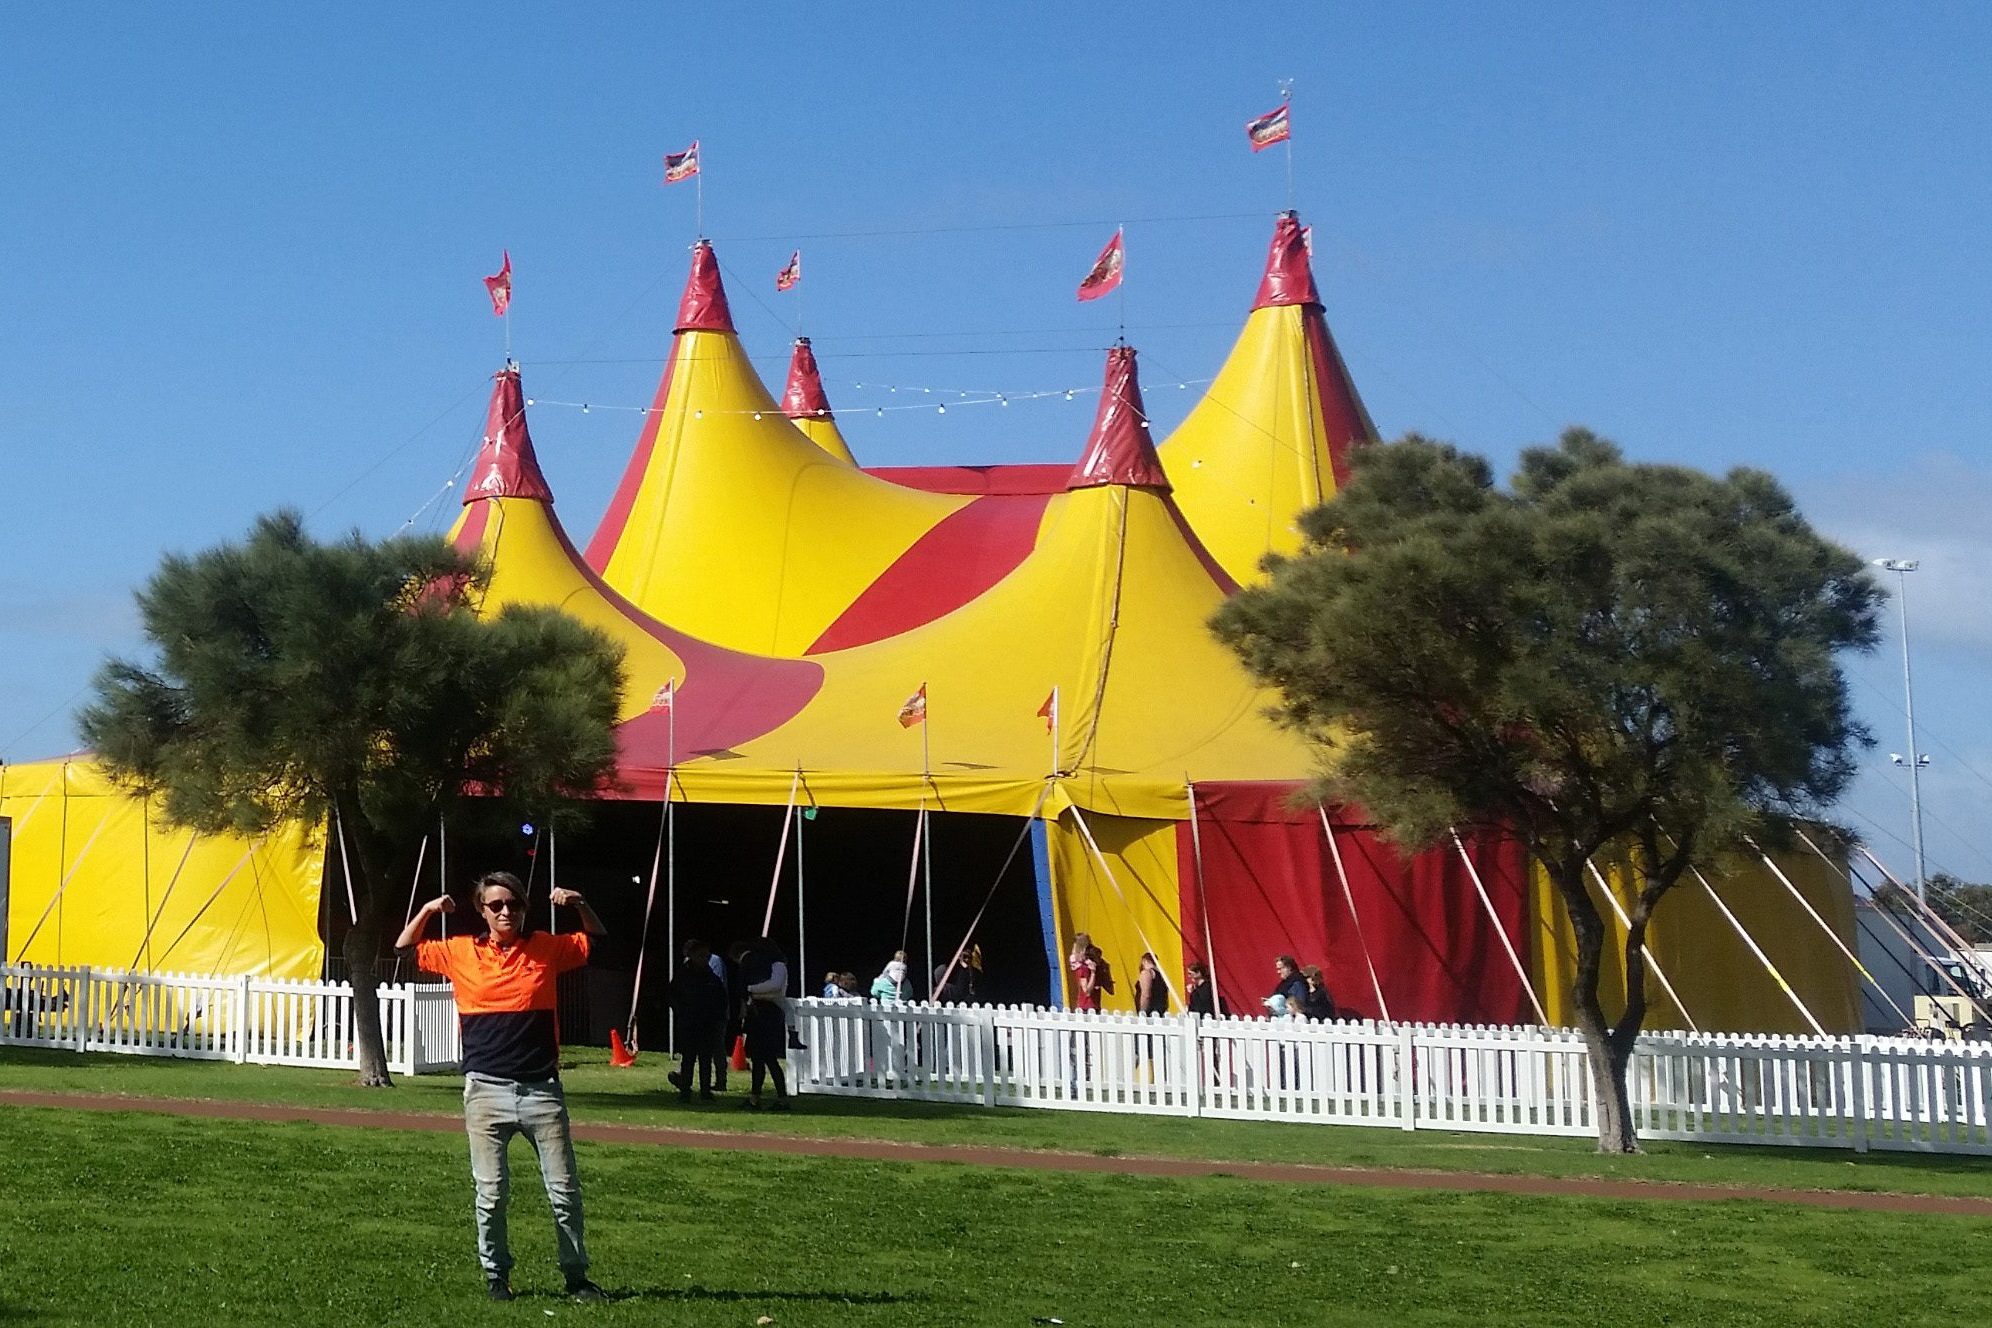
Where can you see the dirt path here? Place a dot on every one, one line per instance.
(882, 1150)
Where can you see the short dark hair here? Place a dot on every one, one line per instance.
(504, 878)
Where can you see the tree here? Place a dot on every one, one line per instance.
(353, 687)
(1965, 905)
(1604, 654)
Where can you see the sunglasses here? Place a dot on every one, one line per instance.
(507, 905)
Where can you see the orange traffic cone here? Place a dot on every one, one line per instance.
(620, 1055)
(740, 1053)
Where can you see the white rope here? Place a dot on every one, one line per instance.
(345, 867)
(1618, 911)
(781, 854)
(193, 836)
(415, 882)
(649, 903)
(1349, 897)
(1927, 956)
(1758, 951)
(913, 873)
(1487, 902)
(235, 871)
(1203, 901)
(1831, 935)
(1133, 917)
(1931, 918)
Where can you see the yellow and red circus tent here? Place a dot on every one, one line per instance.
(779, 606)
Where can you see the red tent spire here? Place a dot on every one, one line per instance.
(804, 397)
(507, 468)
(1120, 450)
(703, 308)
(1289, 277)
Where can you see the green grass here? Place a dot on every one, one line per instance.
(640, 1096)
(138, 1219)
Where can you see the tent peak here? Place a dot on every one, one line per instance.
(804, 397)
(703, 307)
(1289, 275)
(507, 466)
(1120, 450)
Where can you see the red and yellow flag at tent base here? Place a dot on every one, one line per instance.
(1048, 712)
(1106, 273)
(681, 165)
(915, 709)
(1270, 128)
(499, 286)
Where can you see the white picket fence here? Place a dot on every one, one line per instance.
(1853, 1092)
(259, 1021)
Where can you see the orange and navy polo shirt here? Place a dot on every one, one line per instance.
(506, 1000)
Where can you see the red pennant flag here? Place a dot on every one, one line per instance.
(1048, 712)
(499, 285)
(1268, 129)
(915, 709)
(681, 165)
(666, 696)
(1106, 273)
(788, 276)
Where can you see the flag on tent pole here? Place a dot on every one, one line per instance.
(1307, 240)
(1106, 273)
(499, 286)
(1048, 712)
(681, 165)
(666, 696)
(915, 709)
(790, 275)
(1270, 128)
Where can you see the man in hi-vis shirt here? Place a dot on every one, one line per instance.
(507, 1006)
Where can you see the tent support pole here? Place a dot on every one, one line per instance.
(1831, 935)
(1349, 897)
(1203, 900)
(1758, 951)
(1501, 932)
(1618, 911)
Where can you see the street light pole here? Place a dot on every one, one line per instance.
(1902, 567)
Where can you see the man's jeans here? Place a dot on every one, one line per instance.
(493, 1111)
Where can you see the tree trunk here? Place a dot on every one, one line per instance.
(1609, 1098)
(363, 947)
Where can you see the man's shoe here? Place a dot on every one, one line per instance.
(498, 1288)
(584, 1290)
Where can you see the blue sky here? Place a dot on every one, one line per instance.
(244, 244)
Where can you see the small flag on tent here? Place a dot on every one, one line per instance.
(788, 276)
(1048, 712)
(1106, 273)
(1270, 128)
(666, 695)
(679, 166)
(499, 285)
(915, 709)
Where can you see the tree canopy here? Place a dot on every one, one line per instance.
(356, 681)
(1603, 652)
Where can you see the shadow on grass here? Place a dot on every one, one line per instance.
(732, 1295)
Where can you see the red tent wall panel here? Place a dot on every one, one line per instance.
(1272, 890)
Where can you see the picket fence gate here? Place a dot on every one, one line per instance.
(1835, 1092)
(249, 1020)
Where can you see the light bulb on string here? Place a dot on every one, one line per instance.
(941, 409)
(757, 414)
(531, 402)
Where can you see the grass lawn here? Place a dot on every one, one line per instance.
(640, 1096)
(138, 1219)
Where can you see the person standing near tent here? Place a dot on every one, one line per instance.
(1151, 989)
(1092, 976)
(890, 984)
(1291, 988)
(765, 976)
(508, 1011)
(1199, 992)
(1317, 1002)
(698, 999)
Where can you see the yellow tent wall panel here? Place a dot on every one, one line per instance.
(1724, 986)
(96, 880)
(1138, 907)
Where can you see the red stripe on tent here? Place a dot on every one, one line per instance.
(610, 531)
(980, 480)
(1345, 422)
(1272, 890)
(1210, 564)
(965, 554)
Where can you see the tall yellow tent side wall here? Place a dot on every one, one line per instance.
(96, 879)
(1724, 987)
(1133, 904)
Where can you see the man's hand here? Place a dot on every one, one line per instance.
(563, 898)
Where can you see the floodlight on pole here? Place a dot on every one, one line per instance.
(1902, 567)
